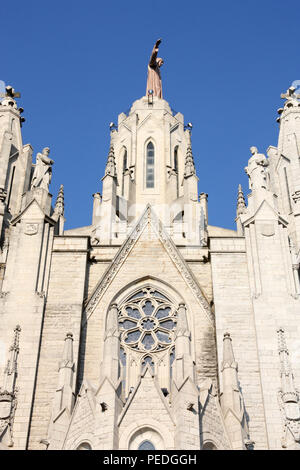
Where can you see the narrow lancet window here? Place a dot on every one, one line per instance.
(124, 169)
(150, 166)
(176, 169)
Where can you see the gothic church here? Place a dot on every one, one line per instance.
(150, 328)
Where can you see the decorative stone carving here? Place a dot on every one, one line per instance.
(8, 393)
(257, 170)
(288, 396)
(268, 230)
(296, 197)
(31, 229)
(3, 194)
(43, 170)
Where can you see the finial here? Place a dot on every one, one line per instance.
(241, 205)
(59, 204)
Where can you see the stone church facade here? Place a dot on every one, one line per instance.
(149, 329)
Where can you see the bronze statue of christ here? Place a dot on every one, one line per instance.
(154, 78)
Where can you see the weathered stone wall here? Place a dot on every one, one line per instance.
(234, 314)
(63, 314)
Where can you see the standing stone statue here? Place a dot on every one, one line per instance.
(43, 170)
(154, 78)
(257, 170)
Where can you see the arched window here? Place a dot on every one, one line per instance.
(176, 168)
(209, 446)
(84, 446)
(150, 165)
(146, 445)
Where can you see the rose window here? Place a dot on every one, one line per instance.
(147, 321)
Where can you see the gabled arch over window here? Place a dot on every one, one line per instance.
(150, 165)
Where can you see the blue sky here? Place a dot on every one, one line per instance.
(79, 64)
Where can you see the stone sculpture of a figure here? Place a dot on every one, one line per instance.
(43, 170)
(154, 78)
(257, 170)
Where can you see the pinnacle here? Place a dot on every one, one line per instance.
(59, 204)
(189, 166)
(110, 168)
(241, 205)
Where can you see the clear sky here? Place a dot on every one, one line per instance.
(78, 64)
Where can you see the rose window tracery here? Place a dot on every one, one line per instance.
(147, 321)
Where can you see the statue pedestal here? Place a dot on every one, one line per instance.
(42, 196)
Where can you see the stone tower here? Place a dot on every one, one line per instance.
(149, 329)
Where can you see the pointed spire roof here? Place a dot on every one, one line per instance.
(241, 205)
(110, 168)
(189, 165)
(60, 204)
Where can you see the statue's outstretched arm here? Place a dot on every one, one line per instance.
(152, 61)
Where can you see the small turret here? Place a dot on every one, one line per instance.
(183, 366)
(231, 399)
(64, 394)
(110, 363)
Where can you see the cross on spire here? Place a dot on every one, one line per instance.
(290, 94)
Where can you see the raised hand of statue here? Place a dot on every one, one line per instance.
(157, 43)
